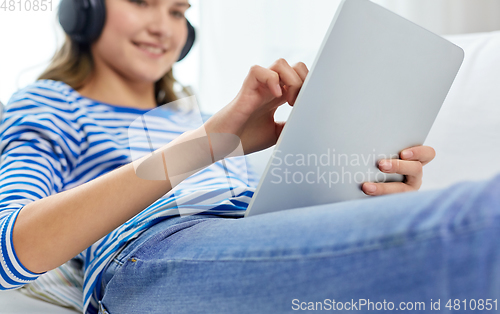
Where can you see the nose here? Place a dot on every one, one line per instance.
(161, 24)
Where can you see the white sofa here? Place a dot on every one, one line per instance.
(466, 136)
(13, 302)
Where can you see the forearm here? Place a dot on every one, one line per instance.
(50, 231)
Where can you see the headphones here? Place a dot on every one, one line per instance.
(83, 21)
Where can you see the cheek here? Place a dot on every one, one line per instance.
(121, 25)
(122, 21)
(182, 35)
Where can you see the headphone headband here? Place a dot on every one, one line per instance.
(83, 21)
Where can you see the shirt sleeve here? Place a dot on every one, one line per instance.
(39, 147)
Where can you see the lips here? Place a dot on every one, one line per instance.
(151, 48)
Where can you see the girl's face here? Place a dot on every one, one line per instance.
(142, 39)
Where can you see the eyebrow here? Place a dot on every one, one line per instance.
(182, 4)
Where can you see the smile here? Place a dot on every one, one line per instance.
(150, 50)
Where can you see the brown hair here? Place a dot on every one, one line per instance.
(73, 64)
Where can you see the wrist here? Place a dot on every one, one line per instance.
(230, 120)
(177, 160)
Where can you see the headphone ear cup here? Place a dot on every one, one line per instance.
(73, 16)
(96, 20)
(189, 42)
(82, 20)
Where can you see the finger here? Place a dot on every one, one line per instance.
(259, 75)
(404, 167)
(374, 189)
(301, 70)
(413, 170)
(424, 154)
(289, 77)
(290, 80)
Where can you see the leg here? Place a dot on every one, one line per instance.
(411, 247)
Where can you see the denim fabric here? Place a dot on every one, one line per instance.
(175, 224)
(429, 247)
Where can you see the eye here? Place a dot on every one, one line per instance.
(139, 2)
(178, 14)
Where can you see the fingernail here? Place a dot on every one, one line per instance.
(407, 154)
(370, 188)
(386, 165)
(278, 89)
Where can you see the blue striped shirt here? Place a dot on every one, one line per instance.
(53, 139)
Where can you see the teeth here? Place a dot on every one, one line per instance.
(154, 50)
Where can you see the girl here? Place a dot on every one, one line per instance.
(70, 190)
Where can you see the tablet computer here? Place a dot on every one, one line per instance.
(375, 88)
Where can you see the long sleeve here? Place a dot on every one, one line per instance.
(38, 149)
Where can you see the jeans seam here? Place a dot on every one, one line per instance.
(131, 255)
(123, 248)
(156, 236)
(122, 259)
(362, 249)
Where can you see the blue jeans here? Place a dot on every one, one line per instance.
(420, 251)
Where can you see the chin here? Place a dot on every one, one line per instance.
(148, 76)
(152, 72)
